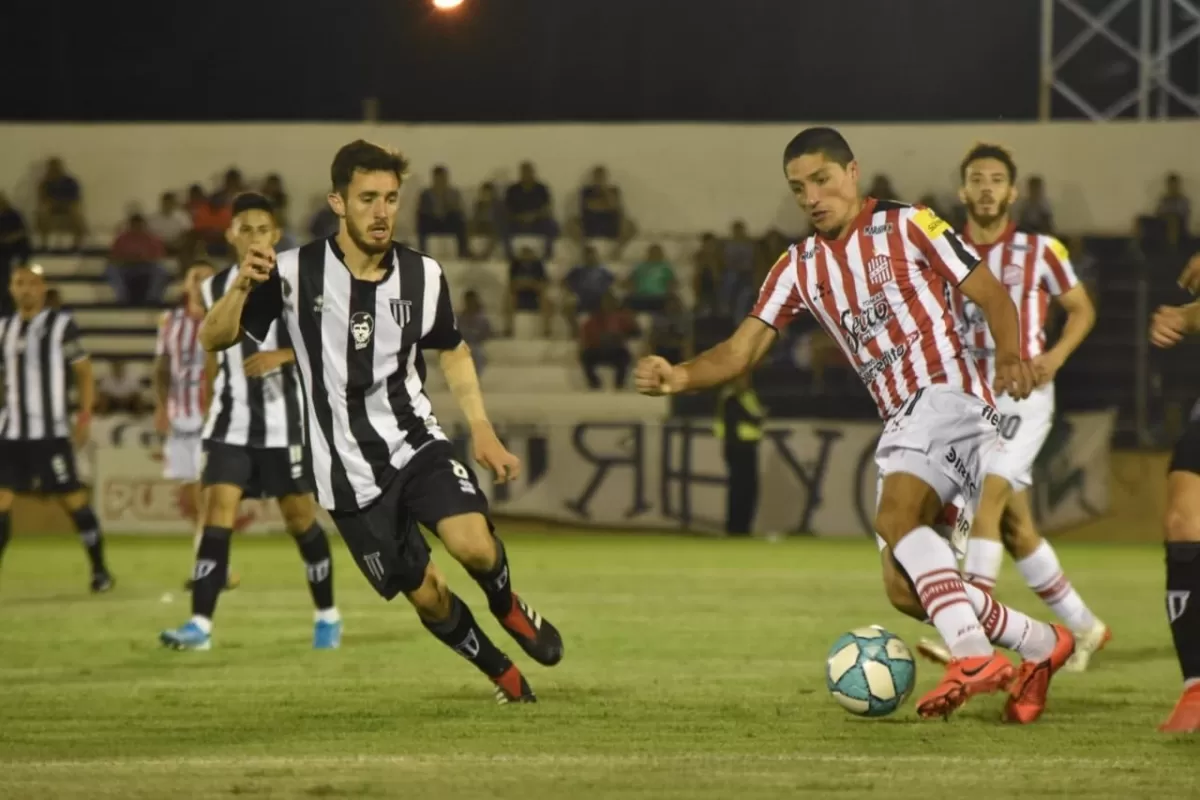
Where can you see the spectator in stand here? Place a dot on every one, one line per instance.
(120, 393)
(882, 189)
(488, 219)
(529, 209)
(706, 274)
(60, 205)
(528, 289)
(211, 221)
(135, 270)
(604, 340)
(585, 286)
(171, 224)
(602, 214)
(1035, 214)
(14, 248)
(650, 282)
(772, 245)
(232, 185)
(671, 331)
(740, 251)
(1174, 207)
(475, 328)
(196, 199)
(272, 189)
(324, 222)
(440, 211)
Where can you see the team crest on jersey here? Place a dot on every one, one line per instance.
(362, 325)
(879, 270)
(401, 311)
(1012, 275)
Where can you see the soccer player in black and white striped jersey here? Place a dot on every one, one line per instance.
(360, 308)
(255, 446)
(38, 345)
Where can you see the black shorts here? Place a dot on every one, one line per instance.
(44, 466)
(258, 471)
(1186, 457)
(384, 538)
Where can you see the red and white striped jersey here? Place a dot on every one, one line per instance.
(178, 340)
(882, 293)
(1034, 268)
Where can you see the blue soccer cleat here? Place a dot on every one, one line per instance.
(186, 637)
(327, 635)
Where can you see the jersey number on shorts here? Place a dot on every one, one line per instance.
(1009, 425)
(464, 477)
(58, 464)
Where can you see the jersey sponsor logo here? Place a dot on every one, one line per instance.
(820, 291)
(873, 369)
(876, 230)
(362, 325)
(867, 323)
(1012, 275)
(1058, 248)
(401, 311)
(879, 270)
(808, 254)
(960, 467)
(933, 225)
(1018, 248)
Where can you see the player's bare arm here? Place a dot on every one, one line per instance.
(222, 325)
(739, 353)
(1190, 277)
(1014, 376)
(162, 385)
(459, 368)
(267, 361)
(1170, 324)
(85, 381)
(1081, 317)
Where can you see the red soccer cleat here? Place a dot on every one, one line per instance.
(511, 687)
(1186, 716)
(965, 678)
(1027, 695)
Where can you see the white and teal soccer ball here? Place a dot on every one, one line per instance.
(870, 672)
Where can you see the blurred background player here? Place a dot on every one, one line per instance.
(37, 441)
(878, 276)
(255, 446)
(181, 394)
(1035, 269)
(1181, 524)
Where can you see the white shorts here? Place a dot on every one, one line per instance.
(1024, 426)
(183, 456)
(945, 437)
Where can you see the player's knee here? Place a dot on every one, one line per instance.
(894, 521)
(298, 514)
(468, 538)
(432, 598)
(221, 505)
(1180, 526)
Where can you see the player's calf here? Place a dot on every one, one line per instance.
(1181, 529)
(313, 545)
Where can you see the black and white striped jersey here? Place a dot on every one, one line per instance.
(252, 412)
(358, 345)
(36, 355)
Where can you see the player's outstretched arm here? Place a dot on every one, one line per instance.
(1170, 324)
(222, 326)
(718, 365)
(1014, 376)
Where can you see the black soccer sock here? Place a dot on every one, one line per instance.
(211, 571)
(318, 561)
(495, 582)
(89, 533)
(1183, 604)
(5, 530)
(461, 634)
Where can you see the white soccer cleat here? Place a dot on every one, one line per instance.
(1087, 644)
(934, 651)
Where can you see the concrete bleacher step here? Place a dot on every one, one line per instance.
(119, 344)
(114, 318)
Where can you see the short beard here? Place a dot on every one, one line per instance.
(367, 246)
(987, 220)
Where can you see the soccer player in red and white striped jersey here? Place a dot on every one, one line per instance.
(1035, 269)
(879, 277)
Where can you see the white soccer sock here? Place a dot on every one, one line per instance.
(929, 561)
(982, 564)
(203, 623)
(1042, 572)
(327, 615)
(1010, 628)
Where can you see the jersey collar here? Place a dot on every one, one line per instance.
(389, 257)
(1009, 231)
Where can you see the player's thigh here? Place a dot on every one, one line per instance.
(386, 544)
(1018, 529)
(444, 496)
(299, 512)
(906, 501)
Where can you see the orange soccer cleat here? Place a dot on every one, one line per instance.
(1027, 695)
(1186, 716)
(965, 678)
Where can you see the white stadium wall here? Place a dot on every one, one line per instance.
(676, 178)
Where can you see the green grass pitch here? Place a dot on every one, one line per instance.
(694, 669)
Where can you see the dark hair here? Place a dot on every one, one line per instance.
(252, 201)
(826, 141)
(137, 219)
(994, 151)
(363, 155)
